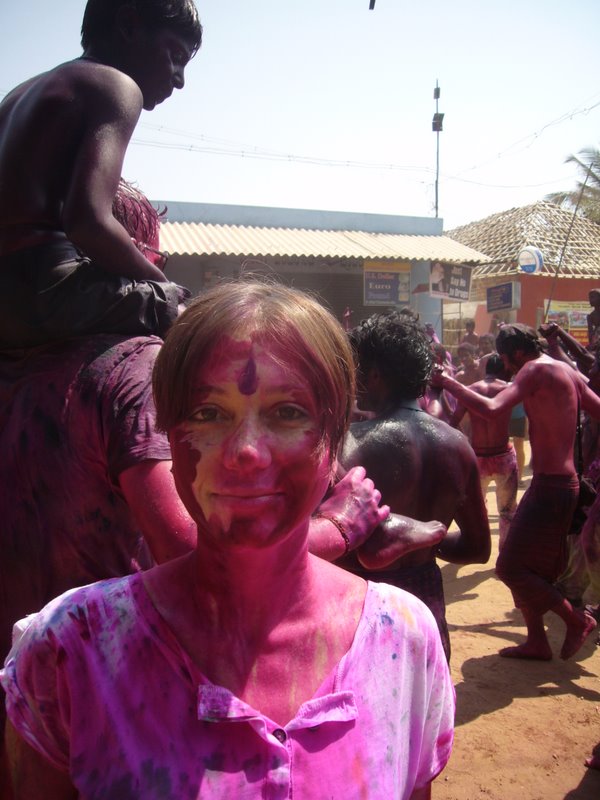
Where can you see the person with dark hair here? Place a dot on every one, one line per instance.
(439, 278)
(533, 555)
(67, 266)
(435, 401)
(423, 468)
(247, 668)
(466, 355)
(490, 440)
(486, 348)
(470, 336)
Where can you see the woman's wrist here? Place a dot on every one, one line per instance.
(339, 525)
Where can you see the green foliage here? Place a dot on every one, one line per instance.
(588, 162)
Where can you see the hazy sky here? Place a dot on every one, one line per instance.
(325, 104)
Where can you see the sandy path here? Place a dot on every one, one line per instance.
(523, 728)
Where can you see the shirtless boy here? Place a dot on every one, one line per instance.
(63, 138)
(470, 336)
(423, 468)
(533, 555)
(490, 441)
(466, 355)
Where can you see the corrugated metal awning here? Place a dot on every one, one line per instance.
(242, 240)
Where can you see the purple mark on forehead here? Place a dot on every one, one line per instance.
(248, 381)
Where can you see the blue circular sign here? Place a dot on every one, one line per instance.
(530, 259)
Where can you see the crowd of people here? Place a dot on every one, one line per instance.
(220, 576)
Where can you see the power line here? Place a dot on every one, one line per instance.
(282, 157)
(226, 147)
(533, 137)
(274, 156)
(242, 150)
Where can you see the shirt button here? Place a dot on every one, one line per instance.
(280, 735)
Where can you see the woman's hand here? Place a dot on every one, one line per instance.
(354, 504)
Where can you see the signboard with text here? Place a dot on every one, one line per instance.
(506, 296)
(386, 284)
(571, 315)
(449, 281)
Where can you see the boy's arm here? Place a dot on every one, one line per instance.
(486, 407)
(149, 490)
(590, 401)
(552, 332)
(113, 104)
(457, 416)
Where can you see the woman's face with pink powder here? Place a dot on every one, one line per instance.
(247, 462)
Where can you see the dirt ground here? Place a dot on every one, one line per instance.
(523, 728)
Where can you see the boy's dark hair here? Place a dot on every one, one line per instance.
(515, 337)
(495, 366)
(399, 347)
(467, 348)
(180, 16)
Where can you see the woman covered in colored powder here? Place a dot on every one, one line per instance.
(248, 668)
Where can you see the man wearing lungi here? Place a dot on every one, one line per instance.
(534, 553)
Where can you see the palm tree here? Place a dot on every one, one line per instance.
(588, 161)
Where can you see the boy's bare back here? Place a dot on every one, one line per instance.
(550, 390)
(49, 126)
(64, 133)
(489, 435)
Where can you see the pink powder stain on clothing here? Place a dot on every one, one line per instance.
(445, 739)
(357, 774)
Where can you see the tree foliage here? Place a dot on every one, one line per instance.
(588, 162)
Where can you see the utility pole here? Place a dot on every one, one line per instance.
(437, 126)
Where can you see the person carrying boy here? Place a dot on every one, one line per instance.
(67, 266)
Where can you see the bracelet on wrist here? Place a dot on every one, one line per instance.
(336, 522)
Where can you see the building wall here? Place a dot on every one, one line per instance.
(535, 291)
(262, 216)
(337, 283)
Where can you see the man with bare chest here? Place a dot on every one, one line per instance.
(67, 266)
(423, 468)
(490, 440)
(535, 549)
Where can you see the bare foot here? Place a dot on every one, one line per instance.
(577, 633)
(593, 762)
(527, 651)
(396, 537)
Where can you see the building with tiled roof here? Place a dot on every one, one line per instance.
(570, 246)
(544, 225)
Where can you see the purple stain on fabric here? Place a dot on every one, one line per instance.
(248, 382)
